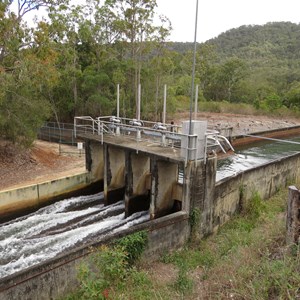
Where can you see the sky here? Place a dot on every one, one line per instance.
(217, 16)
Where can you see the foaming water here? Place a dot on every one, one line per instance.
(29, 240)
(249, 157)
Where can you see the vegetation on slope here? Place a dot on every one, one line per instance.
(246, 259)
(70, 64)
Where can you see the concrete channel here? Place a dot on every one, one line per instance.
(216, 202)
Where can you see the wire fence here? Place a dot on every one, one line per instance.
(63, 134)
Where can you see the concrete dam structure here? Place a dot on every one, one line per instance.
(171, 174)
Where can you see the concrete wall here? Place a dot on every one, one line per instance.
(114, 173)
(13, 201)
(231, 194)
(163, 178)
(137, 182)
(202, 187)
(215, 202)
(94, 157)
(58, 276)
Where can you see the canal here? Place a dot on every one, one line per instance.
(251, 156)
(57, 228)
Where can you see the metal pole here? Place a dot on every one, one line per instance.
(75, 127)
(118, 109)
(271, 139)
(165, 105)
(196, 102)
(193, 71)
(138, 109)
(118, 100)
(138, 133)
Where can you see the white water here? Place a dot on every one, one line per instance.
(34, 238)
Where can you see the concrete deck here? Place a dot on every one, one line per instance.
(144, 146)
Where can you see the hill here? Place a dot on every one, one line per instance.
(266, 59)
(278, 39)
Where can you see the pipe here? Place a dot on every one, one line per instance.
(165, 105)
(196, 102)
(271, 139)
(193, 69)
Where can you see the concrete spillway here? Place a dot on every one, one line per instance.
(254, 155)
(54, 229)
(63, 225)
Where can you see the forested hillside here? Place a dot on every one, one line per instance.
(265, 60)
(70, 64)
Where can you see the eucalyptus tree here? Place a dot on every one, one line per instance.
(24, 72)
(225, 79)
(161, 62)
(63, 33)
(98, 36)
(135, 19)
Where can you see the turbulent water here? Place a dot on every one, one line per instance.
(36, 237)
(250, 157)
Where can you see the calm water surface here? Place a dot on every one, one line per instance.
(253, 156)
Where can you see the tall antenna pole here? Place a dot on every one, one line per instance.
(193, 71)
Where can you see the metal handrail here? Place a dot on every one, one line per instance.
(164, 134)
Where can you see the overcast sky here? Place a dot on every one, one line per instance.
(217, 16)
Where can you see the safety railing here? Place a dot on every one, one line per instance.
(165, 135)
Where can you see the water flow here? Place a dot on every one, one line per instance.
(29, 240)
(249, 157)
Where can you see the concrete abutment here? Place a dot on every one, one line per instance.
(144, 175)
(144, 180)
(150, 181)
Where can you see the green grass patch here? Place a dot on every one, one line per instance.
(246, 259)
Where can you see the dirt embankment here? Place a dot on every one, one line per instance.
(44, 162)
(40, 163)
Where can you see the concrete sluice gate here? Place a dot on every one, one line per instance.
(146, 186)
(148, 173)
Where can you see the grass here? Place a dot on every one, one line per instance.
(246, 259)
(245, 109)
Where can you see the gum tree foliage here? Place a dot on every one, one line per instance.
(70, 63)
(135, 20)
(24, 73)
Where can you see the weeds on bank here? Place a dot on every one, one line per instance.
(111, 274)
(246, 259)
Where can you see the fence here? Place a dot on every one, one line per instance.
(63, 134)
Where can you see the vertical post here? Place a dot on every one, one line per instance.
(193, 68)
(165, 105)
(293, 218)
(118, 109)
(118, 100)
(193, 76)
(75, 127)
(196, 102)
(138, 112)
(138, 109)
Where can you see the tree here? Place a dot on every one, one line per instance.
(135, 19)
(293, 96)
(25, 72)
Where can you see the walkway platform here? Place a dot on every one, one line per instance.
(144, 146)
